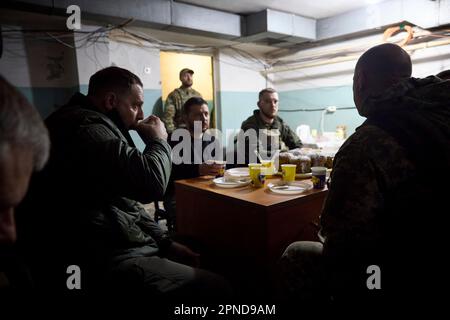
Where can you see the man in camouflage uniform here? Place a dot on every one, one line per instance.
(173, 117)
(274, 131)
(382, 188)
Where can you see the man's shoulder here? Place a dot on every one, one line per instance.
(75, 115)
(370, 141)
(195, 93)
(79, 122)
(281, 122)
(174, 92)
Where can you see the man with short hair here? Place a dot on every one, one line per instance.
(90, 193)
(195, 110)
(274, 131)
(379, 242)
(24, 148)
(173, 117)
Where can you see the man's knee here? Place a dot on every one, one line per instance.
(302, 250)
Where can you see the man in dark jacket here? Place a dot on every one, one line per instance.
(88, 197)
(380, 223)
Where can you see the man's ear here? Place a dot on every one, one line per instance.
(259, 104)
(110, 101)
(360, 82)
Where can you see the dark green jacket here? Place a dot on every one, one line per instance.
(287, 138)
(87, 198)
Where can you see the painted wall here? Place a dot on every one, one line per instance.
(45, 72)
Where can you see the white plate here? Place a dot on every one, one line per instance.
(220, 182)
(237, 174)
(295, 187)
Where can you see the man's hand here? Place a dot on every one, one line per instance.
(205, 169)
(182, 254)
(151, 128)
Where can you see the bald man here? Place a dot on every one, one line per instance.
(380, 226)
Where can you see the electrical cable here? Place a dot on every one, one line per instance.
(313, 109)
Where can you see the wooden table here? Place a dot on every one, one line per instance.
(245, 229)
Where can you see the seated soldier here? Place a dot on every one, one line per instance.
(90, 193)
(195, 114)
(272, 133)
(24, 148)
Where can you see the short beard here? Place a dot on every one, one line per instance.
(268, 116)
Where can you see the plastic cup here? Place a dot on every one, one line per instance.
(222, 163)
(257, 175)
(268, 167)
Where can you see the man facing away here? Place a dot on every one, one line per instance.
(270, 129)
(173, 117)
(89, 195)
(381, 223)
(24, 148)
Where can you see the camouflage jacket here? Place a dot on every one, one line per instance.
(172, 117)
(381, 187)
(278, 129)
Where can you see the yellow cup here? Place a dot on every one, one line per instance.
(288, 171)
(257, 174)
(268, 167)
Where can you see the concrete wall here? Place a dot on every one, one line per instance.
(45, 72)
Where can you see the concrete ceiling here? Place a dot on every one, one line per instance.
(307, 8)
(260, 26)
